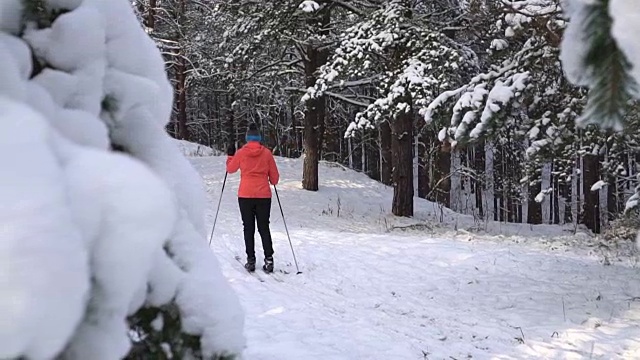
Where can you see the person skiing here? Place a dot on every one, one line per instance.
(257, 169)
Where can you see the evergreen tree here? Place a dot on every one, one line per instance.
(407, 63)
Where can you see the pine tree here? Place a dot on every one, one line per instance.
(393, 50)
(284, 43)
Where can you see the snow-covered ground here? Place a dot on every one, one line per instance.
(371, 289)
(192, 149)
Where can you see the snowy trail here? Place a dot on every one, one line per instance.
(367, 294)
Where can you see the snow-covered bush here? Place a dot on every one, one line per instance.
(624, 228)
(618, 239)
(103, 246)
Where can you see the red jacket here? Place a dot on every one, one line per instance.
(257, 169)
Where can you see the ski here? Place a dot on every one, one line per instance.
(276, 274)
(273, 275)
(238, 259)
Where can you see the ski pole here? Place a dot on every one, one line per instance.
(287, 230)
(224, 182)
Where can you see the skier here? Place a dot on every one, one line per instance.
(257, 169)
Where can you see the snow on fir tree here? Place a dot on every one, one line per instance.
(517, 91)
(518, 68)
(419, 64)
(103, 215)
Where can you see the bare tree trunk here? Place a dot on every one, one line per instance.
(313, 115)
(218, 123)
(441, 180)
(612, 201)
(331, 140)
(181, 80)
(590, 214)
(565, 194)
(535, 208)
(423, 171)
(363, 154)
(315, 108)
(385, 153)
(402, 158)
(556, 199)
(295, 134)
(183, 130)
(229, 127)
(478, 184)
(489, 182)
(151, 15)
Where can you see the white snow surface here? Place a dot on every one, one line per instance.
(371, 290)
(598, 185)
(44, 282)
(193, 149)
(499, 44)
(309, 6)
(10, 13)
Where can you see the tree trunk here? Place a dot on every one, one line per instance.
(331, 140)
(385, 153)
(297, 138)
(312, 116)
(489, 205)
(423, 171)
(612, 201)
(556, 200)
(441, 180)
(181, 81)
(479, 166)
(373, 161)
(183, 130)
(151, 18)
(590, 214)
(315, 108)
(363, 154)
(565, 211)
(535, 208)
(229, 127)
(402, 158)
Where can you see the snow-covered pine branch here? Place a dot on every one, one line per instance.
(599, 54)
(107, 235)
(521, 53)
(407, 61)
(486, 96)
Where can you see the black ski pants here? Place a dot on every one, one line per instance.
(255, 210)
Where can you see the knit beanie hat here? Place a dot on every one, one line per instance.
(253, 134)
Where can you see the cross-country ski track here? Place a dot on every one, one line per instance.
(369, 290)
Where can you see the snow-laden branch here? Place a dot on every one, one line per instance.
(347, 6)
(346, 99)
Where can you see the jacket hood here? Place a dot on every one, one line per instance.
(253, 148)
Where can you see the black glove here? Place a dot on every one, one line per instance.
(231, 150)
